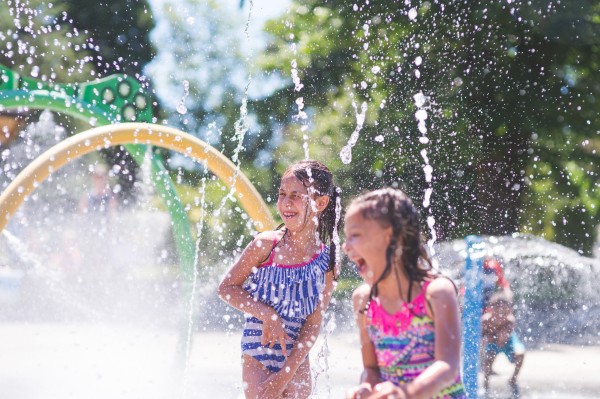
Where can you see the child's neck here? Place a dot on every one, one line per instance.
(394, 290)
(304, 237)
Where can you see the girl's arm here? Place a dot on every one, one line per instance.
(441, 295)
(277, 382)
(230, 290)
(370, 375)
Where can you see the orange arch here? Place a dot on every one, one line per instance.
(134, 133)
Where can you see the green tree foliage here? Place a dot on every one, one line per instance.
(510, 91)
(77, 41)
(38, 40)
(120, 30)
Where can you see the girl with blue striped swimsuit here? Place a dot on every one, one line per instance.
(283, 283)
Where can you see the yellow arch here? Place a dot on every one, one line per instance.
(134, 133)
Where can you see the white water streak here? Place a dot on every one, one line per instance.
(422, 103)
(192, 305)
(241, 128)
(346, 152)
(301, 115)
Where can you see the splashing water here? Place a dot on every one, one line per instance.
(301, 115)
(322, 366)
(181, 108)
(422, 103)
(346, 152)
(247, 27)
(52, 277)
(241, 128)
(556, 296)
(195, 279)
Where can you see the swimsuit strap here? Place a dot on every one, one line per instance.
(271, 257)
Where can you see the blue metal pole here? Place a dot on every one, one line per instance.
(471, 314)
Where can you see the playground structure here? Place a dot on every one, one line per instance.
(121, 110)
(471, 313)
(119, 100)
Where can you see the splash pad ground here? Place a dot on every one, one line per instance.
(44, 360)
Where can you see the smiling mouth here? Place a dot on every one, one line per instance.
(289, 215)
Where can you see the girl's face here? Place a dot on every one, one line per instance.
(295, 206)
(366, 243)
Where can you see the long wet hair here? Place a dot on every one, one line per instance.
(406, 252)
(318, 179)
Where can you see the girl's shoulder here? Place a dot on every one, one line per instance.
(263, 243)
(268, 238)
(439, 287)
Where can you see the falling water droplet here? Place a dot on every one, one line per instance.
(412, 14)
(181, 108)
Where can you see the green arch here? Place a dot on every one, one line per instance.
(61, 102)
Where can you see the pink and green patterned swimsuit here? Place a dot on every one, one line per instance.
(405, 343)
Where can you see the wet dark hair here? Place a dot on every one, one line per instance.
(319, 180)
(392, 207)
(499, 298)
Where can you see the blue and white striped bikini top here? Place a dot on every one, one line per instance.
(292, 290)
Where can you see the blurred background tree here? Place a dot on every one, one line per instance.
(510, 99)
(121, 32)
(509, 93)
(78, 41)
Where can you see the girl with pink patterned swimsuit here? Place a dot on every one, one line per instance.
(407, 315)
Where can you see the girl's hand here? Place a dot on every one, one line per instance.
(387, 390)
(360, 392)
(274, 332)
(273, 386)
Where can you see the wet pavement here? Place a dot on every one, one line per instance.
(100, 361)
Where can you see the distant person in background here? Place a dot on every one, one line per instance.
(498, 323)
(97, 229)
(498, 330)
(494, 281)
(100, 199)
(70, 259)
